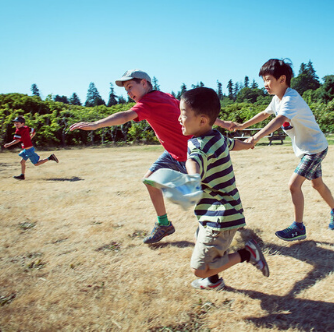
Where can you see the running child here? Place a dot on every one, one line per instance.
(161, 110)
(24, 134)
(219, 212)
(308, 141)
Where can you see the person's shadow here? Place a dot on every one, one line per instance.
(288, 311)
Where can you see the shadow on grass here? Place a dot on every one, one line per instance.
(72, 179)
(179, 244)
(287, 311)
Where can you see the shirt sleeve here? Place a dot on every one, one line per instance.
(271, 107)
(200, 157)
(288, 107)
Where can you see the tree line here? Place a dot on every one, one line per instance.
(53, 116)
(246, 91)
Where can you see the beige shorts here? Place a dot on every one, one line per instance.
(211, 248)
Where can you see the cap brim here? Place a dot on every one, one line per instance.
(121, 80)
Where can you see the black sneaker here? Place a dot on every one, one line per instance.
(54, 158)
(19, 177)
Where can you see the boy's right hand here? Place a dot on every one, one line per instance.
(84, 126)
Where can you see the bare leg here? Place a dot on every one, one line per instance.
(295, 186)
(324, 191)
(233, 259)
(41, 162)
(23, 166)
(156, 198)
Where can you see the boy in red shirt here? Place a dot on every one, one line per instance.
(161, 110)
(24, 134)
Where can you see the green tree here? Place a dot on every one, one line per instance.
(246, 82)
(112, 97)
(254, 85)
(230, 89)
(74, 99)
(327, 89)
(306, 79)
(62, 99)
(93, 97)
(155, 84)
(180, 93)
(34, 90)
(219, 90)
(249, 95)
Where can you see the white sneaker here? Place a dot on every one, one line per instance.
(256, 257)
(206, 284)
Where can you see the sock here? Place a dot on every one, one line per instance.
(163, 220)
(300, 225)
(214, 279)
(244, 255)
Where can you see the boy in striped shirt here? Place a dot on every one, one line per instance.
(219, 212)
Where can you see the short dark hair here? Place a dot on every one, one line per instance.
(277, 68)
(138, 80)
(203, 101)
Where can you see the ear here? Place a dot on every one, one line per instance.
(282, 79)
(204, 120)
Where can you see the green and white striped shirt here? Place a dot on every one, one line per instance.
(220, 207)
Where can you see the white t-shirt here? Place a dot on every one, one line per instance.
(305, 134)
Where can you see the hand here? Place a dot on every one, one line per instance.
(236, 126)
(84, 126)
(6, 146)
(251, 141)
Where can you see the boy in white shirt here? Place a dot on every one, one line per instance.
(308, 142)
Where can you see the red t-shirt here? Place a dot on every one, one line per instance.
(23, 134)
(161, 110)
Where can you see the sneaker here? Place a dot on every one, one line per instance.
(292, 233)
(159, 232)
(331, 224)
(206, 284)
(54, 158)
(256, 257)
(19, 177)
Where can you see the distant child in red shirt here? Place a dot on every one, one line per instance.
(24, 134)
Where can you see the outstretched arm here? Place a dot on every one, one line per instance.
(112, 120)
(11, 143)
(192, 167)
(224, 124)
(273, 125)
(256, 119)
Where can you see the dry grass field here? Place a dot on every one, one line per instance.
(72, 257)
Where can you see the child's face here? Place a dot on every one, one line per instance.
(274, 86)
(135, 90)
(18, 124)
(190, 122)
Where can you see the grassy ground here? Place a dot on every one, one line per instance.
(72, 257)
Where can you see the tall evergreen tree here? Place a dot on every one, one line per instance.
(155, 84)
(183, 89)
(219, 90)
(246, 82)
(62, 99)
(74, 99)
(254, 85)
(306, 79)
(230, 89)
(112, 97)
(93, 97)
(34, 90)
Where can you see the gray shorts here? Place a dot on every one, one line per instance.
(167, 161)
(211, 248)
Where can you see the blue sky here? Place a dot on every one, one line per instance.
(62, 46)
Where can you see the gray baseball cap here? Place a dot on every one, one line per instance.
(131, 74)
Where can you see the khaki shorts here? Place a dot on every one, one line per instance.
(211, 248)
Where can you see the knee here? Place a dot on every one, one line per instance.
(199, 273)
(294, 187)
(318, 185)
